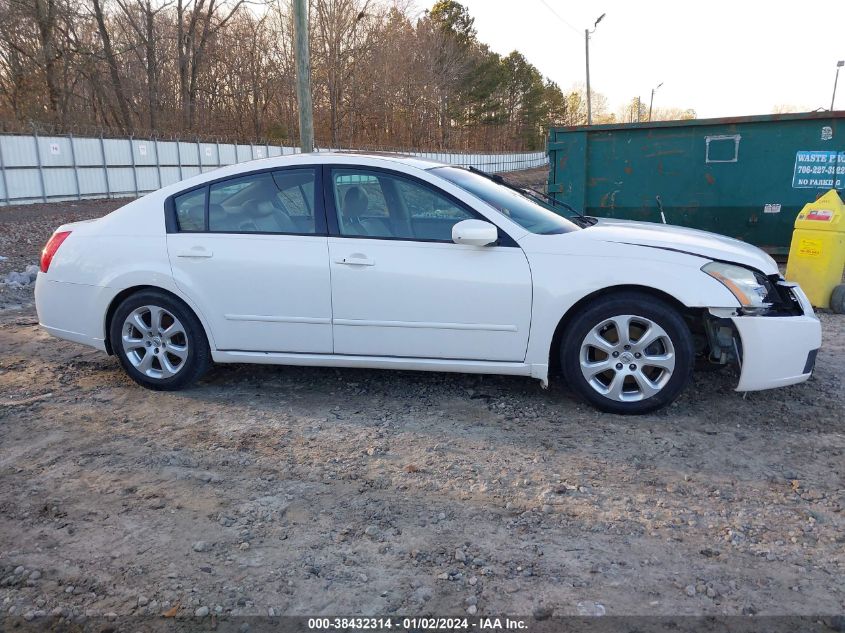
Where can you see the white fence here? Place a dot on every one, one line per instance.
(53, 168)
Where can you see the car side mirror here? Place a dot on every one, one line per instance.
(474, 232)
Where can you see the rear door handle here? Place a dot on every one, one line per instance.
(196, 251)
(355, 260)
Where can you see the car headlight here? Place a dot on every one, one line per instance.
(749, 287)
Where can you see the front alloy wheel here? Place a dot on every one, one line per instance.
(627, 353)
(627, 358)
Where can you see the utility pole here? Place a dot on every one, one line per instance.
(587, 33)
(303, 76)
(651, 103)
(839, 65)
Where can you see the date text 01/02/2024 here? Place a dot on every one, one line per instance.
(416, 624)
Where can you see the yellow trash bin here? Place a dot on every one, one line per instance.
(817, 252)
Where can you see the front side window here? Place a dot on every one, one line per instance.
(378, 204)
(267, 202)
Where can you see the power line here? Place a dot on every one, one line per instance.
(559, 17)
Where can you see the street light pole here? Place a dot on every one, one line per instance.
(587, 33)
(303, 76)
(589, 105)
(651, 103)
(839, 65)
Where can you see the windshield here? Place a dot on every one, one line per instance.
(529, 214)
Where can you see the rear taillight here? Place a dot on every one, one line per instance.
(50, 249)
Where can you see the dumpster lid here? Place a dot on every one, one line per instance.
(757, 118)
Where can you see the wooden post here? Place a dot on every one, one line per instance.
(303, 76)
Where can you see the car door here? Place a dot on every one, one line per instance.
(401, 287)
(251, 252)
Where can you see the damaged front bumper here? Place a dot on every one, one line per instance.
(773, 349)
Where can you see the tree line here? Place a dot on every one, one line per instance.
(383, 75)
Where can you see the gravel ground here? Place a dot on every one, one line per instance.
(274, 490)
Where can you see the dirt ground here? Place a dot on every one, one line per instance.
(274, 490)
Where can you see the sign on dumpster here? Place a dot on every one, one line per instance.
(815, 170)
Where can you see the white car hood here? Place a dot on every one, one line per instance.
(684, 240)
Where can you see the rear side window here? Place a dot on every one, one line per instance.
(268, 202)
(190, 210)
(296, 191)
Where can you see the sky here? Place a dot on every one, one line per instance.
(719, 57)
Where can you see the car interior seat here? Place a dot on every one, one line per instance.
(355, 205)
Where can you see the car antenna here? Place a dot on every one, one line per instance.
(660, 206)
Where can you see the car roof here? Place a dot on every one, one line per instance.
(342, 156)
(364, 159)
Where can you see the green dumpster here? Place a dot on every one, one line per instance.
(745, 177)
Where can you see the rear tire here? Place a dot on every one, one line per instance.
(159, 341)
(627, 353)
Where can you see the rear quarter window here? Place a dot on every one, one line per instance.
(190, 210)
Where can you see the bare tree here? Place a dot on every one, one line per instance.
(19, 66)
(114, 74)
(340, 40)
(197, 22)
(141, 16)
(45, 20)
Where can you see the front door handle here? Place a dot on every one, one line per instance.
(355, 260)
(196, 251)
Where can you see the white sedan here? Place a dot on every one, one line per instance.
(355, 260)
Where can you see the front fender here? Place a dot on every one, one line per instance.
(563, 280)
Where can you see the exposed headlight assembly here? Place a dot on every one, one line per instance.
(750, 287)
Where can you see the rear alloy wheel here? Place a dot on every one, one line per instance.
(628, 353)
(155, 342)
(159, 341)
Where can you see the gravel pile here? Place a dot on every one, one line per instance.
(23, 278)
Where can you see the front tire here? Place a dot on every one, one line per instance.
(627, 353)
(837, 299)
(159, 341)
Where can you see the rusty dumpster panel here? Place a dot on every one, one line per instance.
(745, 177)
